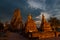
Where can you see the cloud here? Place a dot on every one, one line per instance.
(52, 7)
(55, 12)
(37, 4)
(38, 23)
(58, 16)
(47, 16)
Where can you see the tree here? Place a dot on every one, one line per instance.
(1, 26)
(54, 22)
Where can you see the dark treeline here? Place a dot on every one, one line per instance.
(54, 22)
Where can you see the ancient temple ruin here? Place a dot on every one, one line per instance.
(45, 30)
(45, 26)
(30, 25)
(16, 21)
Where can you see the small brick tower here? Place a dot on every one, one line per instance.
(30, 25)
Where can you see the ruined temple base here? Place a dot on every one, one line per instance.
(41, 35)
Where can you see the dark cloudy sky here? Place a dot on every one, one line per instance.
(35, 7)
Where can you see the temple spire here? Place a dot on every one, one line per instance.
(30, 25)
(45, 26)
(29, 17)
(16, 20)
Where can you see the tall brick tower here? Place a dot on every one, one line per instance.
(30, 25)
(45, 26)
(16, 20)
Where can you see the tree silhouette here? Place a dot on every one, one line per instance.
(1, 26)
(54, 22)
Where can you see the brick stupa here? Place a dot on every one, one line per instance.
(30, 25)
(16, 20)
(45, 26)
